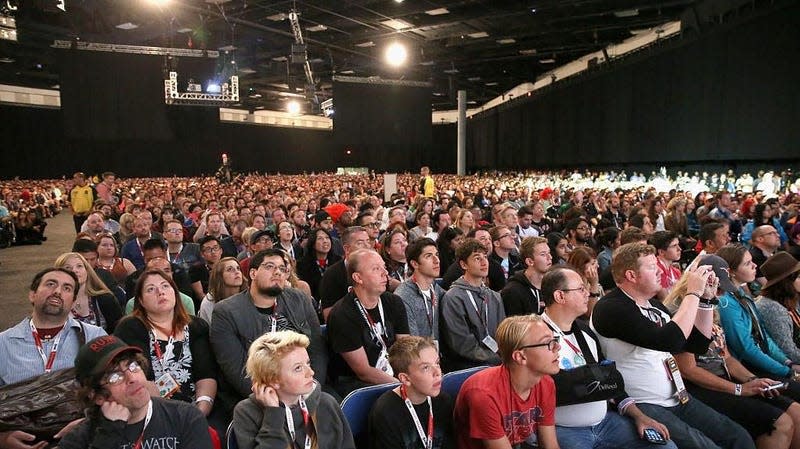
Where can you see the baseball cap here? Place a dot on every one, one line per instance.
(96, 355)
(321, 216)
(720, 267)
(258, 234)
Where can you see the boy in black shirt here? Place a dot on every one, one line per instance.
(415, 412)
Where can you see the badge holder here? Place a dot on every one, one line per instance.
(674, 375)
(383, 363)
(489, 342)
(167, 386)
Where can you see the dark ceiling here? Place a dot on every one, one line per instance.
(483, 46)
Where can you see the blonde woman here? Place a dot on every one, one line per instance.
(226, 280)
(724, 384)
(287, 408)
(94, 302)
(125, 228)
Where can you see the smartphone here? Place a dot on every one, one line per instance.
(777, 386)
(653, 436)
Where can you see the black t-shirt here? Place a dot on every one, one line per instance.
(334, 285)
(174, 424)
(348, 331)
(282, 324)
(391, 425)
(200, 272)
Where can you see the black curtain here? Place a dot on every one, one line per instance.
(383, 127)
(730, 95)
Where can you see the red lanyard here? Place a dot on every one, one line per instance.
(306, 419)
(427, 440)
(47, 360)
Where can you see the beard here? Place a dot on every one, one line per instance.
(272, 291)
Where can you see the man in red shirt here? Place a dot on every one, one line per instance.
(514, 403)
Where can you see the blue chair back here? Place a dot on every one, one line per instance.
(230, 438)
(358, 403)
(451, 382)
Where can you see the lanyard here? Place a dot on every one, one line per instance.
(427, 440)
(46, 360)
(138, 443)
(273, 318)
(167, 348)
(177, 255)
(483, 318)
(563, 336)
(536, 295)
(306, 421)
(430, 309)
(378, 337)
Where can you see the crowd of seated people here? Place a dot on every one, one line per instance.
(221, 290)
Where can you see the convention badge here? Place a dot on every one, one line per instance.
(166, 385)
(383, 364)
(489, 342)
(675, 375)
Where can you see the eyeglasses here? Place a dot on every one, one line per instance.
(582, 289)
(117, 377)
(375, 225)
(213, 249)
(270, 267)
(504, 236)
(174, 231)
(552, 345)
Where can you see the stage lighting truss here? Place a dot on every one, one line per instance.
(228, 96)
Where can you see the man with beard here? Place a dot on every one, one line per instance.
(578, 232)
(48, 340)
(265, 307)
(132, 250)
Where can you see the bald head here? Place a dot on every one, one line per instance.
(766, 238)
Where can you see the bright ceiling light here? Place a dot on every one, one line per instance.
(396, 54)
(293, 107)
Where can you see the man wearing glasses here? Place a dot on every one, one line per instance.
(765, 241)
(123, 414)
(179, 253)
(512, 405)
(504, 248)
(583, 418)
(199, 273)
(578, 232)
(266, 307)
(640, 335)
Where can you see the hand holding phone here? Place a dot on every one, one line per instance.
(653, 436)
(776, 386)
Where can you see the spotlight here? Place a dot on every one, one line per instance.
(396, 54)
(293, 107)
(213, 88)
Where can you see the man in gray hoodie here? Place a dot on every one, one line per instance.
(471, 313)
